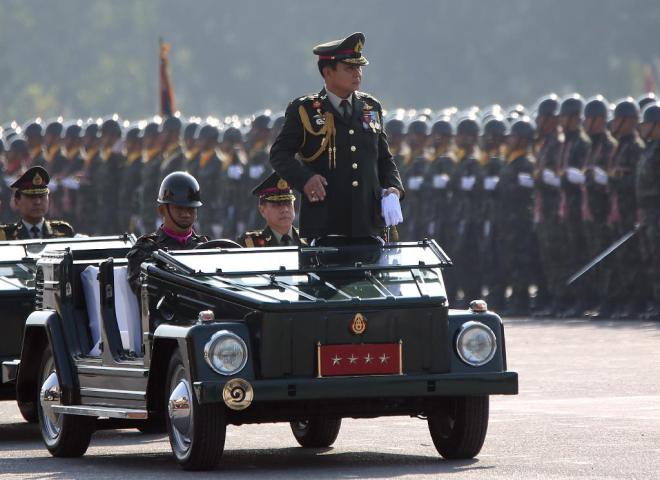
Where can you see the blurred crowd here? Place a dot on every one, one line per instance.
(519, 197)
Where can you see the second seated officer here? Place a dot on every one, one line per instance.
(332, 147)
(276, 207)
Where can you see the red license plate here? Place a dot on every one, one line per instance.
(361, 359)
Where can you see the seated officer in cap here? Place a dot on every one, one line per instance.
(276, 206)
(333, 148)
(178, 201)
(32, 201)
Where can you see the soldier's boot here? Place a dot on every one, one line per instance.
(605, 311)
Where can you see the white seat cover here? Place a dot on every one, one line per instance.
(90, 284)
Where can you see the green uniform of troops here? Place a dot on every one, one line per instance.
(149, 178)
(34, 183)
(514, 216)
(209, 172)
(348, 149)
(258, 148)
(86, 213)
(628, 289)
(493, 136)
(235, 182)
(130, 182)
(648, 198)
(596, 202)
(466, 186)
(109, 177)
(573, 156)
(415, 227)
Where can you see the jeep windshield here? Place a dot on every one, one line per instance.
(320, 274)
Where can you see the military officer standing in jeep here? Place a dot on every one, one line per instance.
(333, 148)
(32, 201)
(276, 207)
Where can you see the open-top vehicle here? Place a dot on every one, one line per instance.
(18, 287)
(306, 335)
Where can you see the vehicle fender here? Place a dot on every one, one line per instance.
(456, 319)
(43, 328)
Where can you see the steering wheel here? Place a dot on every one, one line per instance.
(219, 243)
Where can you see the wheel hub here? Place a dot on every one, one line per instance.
(50, 395)
(179, 409)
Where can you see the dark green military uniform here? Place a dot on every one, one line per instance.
(130, 182)
(209, 172)
(147, 244)
(235, 182)
(180, 189)
(35, 182)
(350, 152)
(267, 238)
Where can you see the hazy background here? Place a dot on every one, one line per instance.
(82, 57)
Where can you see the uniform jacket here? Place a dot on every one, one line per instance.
(50, 229)
(623, 175)
(357, 166)
(147, 244)
(266, 238)
(648, 178)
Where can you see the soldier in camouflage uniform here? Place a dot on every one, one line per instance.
(130, 181)
(258, 147)
(467, 200)
(550, 231)
(235, 182)
(492, 140)
(415, 226)
(149, 177)
(648, 198)
(628, 287)
(596, 200)
(573, 156)
(209, 168)
(514, 216)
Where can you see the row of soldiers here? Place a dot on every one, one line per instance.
(105, 175)
(518, 204)
(521, 200)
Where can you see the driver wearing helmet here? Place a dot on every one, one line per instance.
(178, 201)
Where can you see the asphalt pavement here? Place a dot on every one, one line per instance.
(588, 408)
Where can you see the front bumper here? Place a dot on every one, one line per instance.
(395, 386)
(9, 370)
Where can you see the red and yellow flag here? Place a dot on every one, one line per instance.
(167, 107)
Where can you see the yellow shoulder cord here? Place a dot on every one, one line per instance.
(327, 142)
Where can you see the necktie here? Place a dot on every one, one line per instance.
(35, 231)
(286, 240)
(346, 109)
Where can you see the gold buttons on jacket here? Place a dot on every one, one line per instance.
(353, 148)
(354, 166)
(355, 183)
(351, 131)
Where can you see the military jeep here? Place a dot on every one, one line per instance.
(18, 286)
(217, 336)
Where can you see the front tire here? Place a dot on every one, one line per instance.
(316, 432)
(458, 428)
(64, 435)
(29, 411)
(196, 432)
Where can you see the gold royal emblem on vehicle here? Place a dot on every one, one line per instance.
(359, 324)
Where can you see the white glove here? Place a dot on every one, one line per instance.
(490, 183)
(414, 183)
(575, 176)
(600, 176)
(551, 178)
(256, 171)
(525, 180)
(235, 172)
(440, 181)
(70, 183)
(391, 209)
(467, 183)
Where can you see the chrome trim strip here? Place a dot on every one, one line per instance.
(101, 411)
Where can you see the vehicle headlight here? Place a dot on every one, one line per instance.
(226, 352)
(476, 343)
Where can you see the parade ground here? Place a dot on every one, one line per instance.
(588, 408)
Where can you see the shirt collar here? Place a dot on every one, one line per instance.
(39, 225)
(278, 235)
(335, 100)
